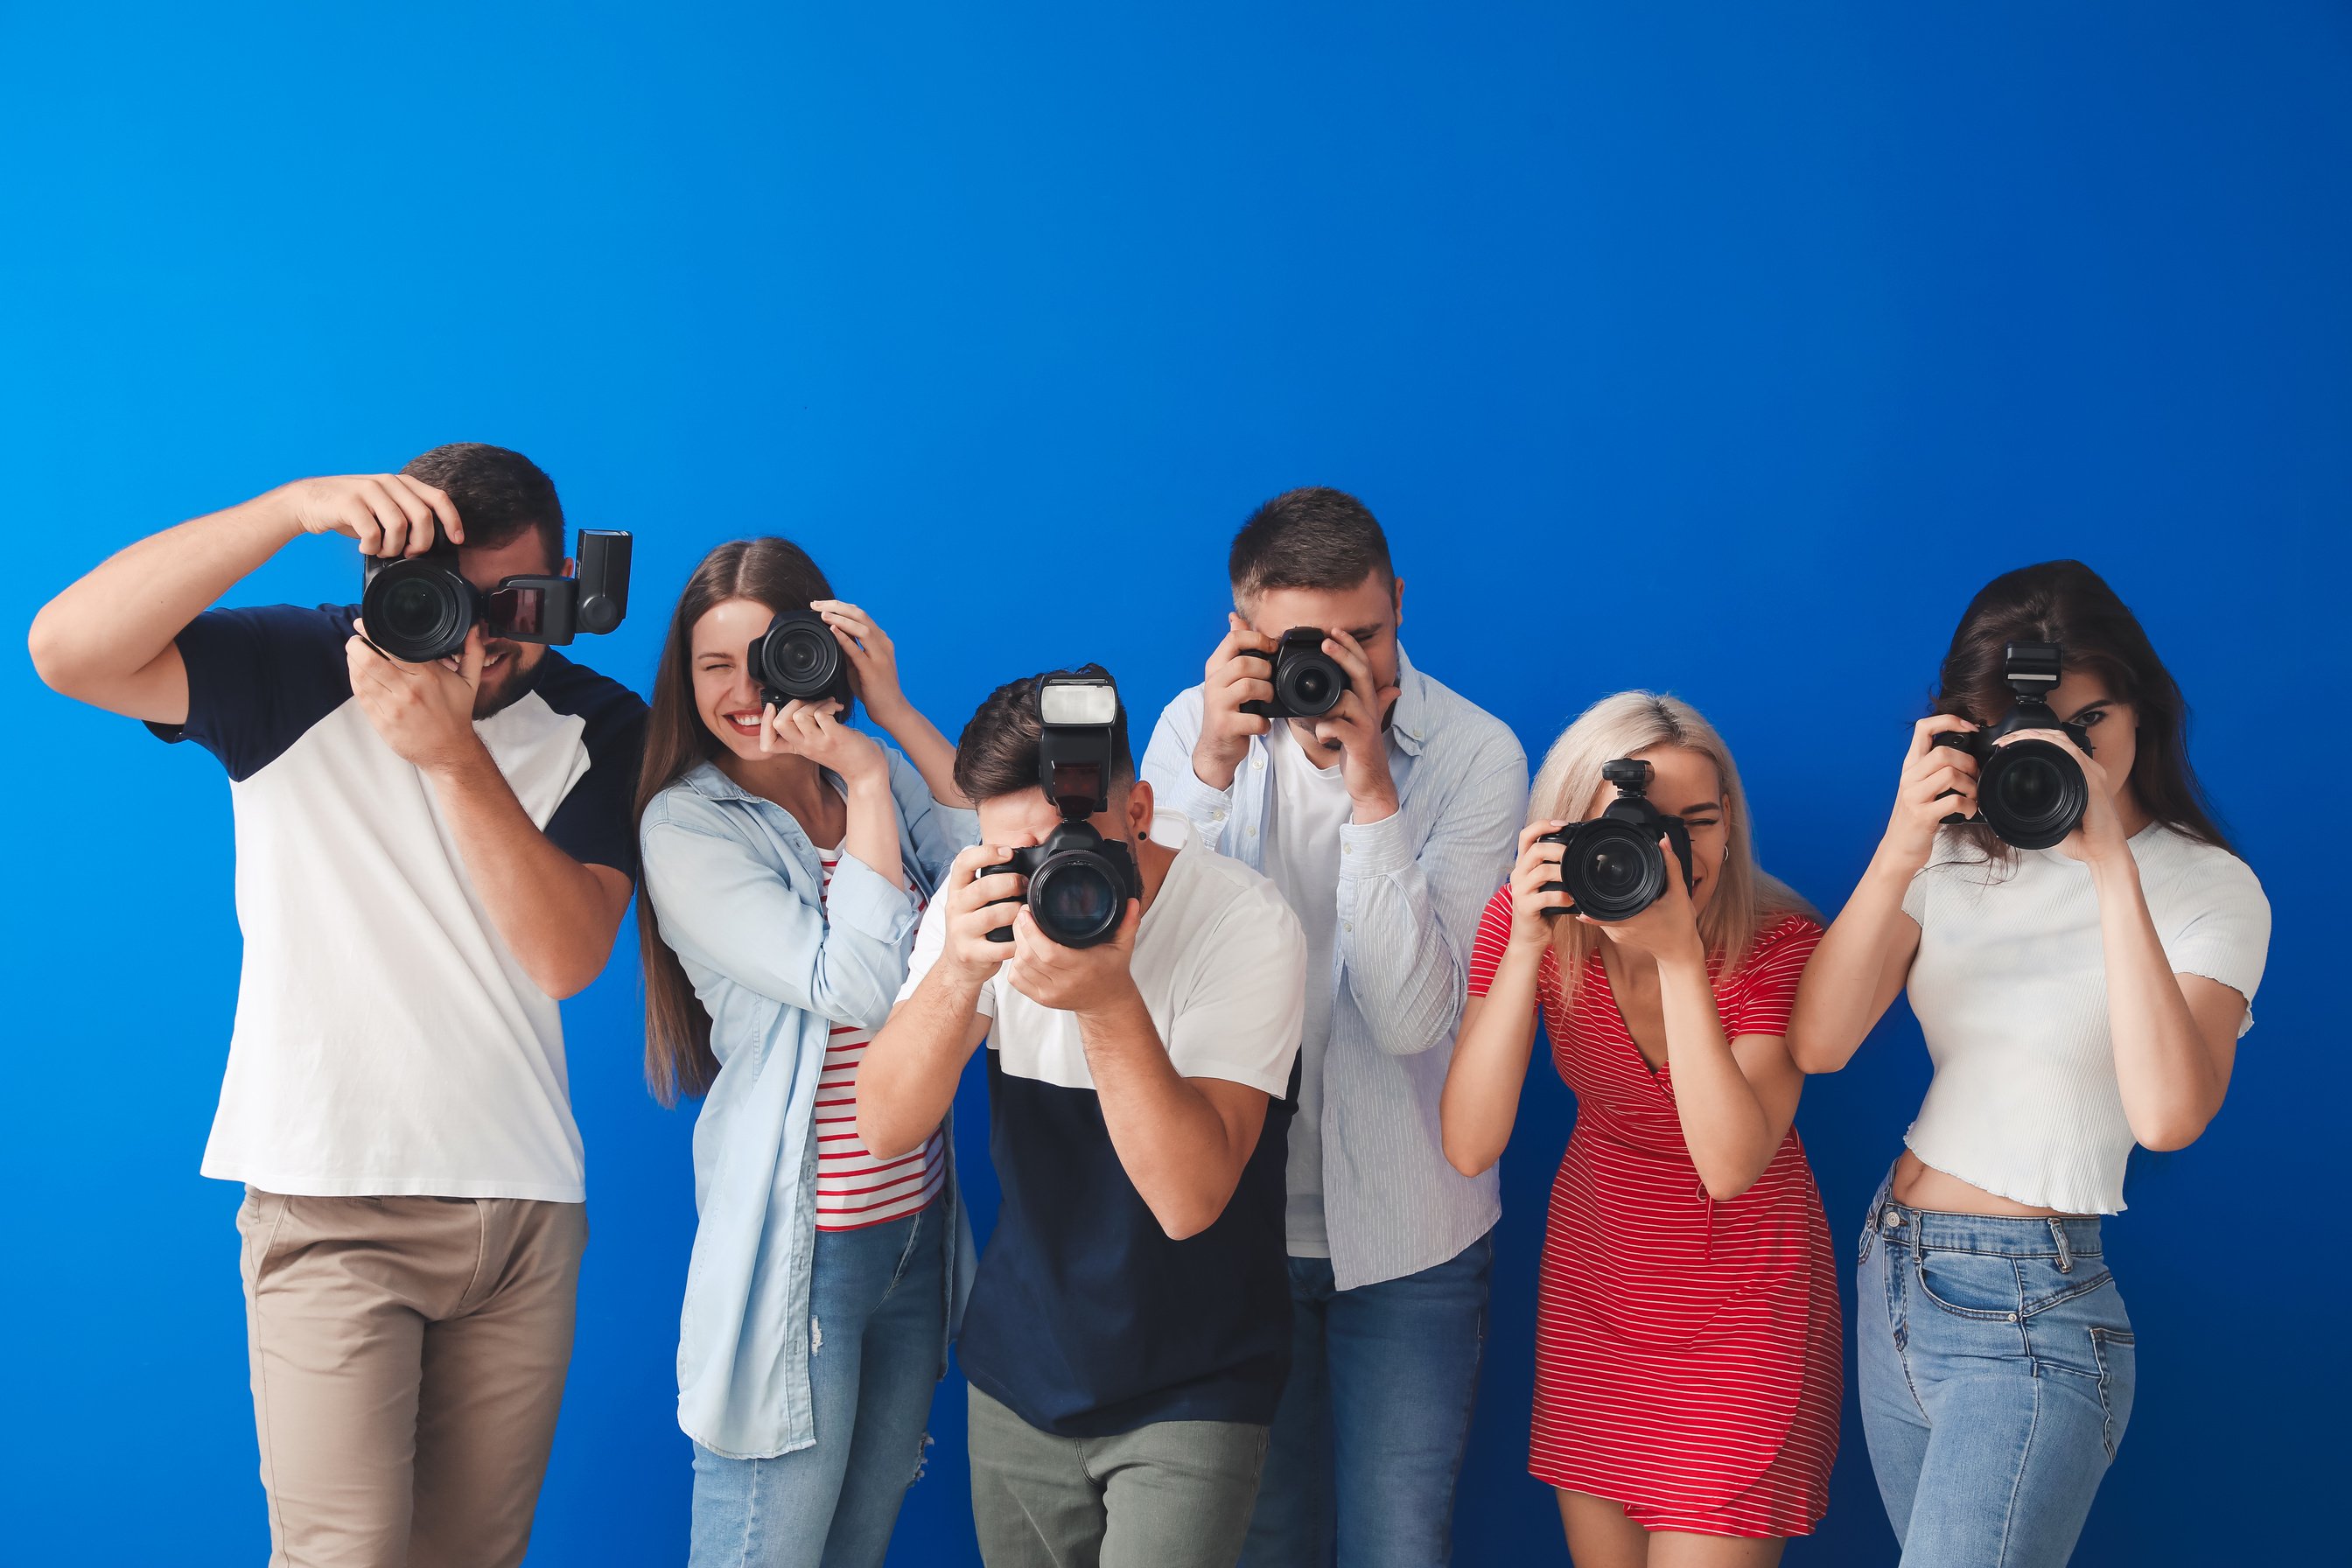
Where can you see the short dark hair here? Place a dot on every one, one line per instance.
(499, 495)
(996, 755)
(1311, 538)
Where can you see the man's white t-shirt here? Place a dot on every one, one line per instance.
(387, 1042)
(1302, 858)
(1219, 961)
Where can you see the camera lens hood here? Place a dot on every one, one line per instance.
(2032, 793)
(418, 610)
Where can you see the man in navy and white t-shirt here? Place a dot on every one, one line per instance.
(428, 855)
(1129, 1333)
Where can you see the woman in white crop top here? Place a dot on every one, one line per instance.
(2077, 1000)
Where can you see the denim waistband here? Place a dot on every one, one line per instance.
(1936, 1230)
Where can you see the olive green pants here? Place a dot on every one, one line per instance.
(1174, 1494)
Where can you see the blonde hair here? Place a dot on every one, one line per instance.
(1621, 726)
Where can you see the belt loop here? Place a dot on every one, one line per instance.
(2066, 1255)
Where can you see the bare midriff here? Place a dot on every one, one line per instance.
(1919, 1185)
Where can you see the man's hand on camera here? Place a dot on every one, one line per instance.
(1357, 727)
(1232, 677)
(972, 911)
(424, 712)
(389, 514)
(1073, 979)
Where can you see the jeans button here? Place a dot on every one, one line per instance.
(1892, 1219)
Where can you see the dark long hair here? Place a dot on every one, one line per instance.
(2066, 602)
(775, 572)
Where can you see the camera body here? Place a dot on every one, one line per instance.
(1308, 683)
(1611, 868)
(799, 656)
(419, 608)
(1079, 881)
(2029, 792)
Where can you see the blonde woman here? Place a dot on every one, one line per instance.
(1687, 1350)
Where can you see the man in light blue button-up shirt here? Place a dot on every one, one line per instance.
(1386, 821)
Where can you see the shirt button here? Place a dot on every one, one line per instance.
(1256, 764)
(1346, 925)
(1217, 816)
(1252, 833)
(1346, 849)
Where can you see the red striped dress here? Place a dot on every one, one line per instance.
(1688, 1352)
(854, 1189)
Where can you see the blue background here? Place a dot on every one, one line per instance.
(1719, 348)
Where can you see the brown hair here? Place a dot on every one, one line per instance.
(499, 495)
(2066, 602)
(1311, 538)
(996, 755)
(775, 572)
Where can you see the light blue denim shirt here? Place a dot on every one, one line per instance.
(735, 885)
(1412, 886)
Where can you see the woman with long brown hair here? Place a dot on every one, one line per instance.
(1687, 1371)
(787, 857)
(2077, 999)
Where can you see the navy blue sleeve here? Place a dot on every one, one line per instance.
(596, 823)
(258, 677)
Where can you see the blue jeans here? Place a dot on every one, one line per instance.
(877, 1301)
(1367, 1439)
(1996, 1379)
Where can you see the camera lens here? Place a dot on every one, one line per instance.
(2033, 793)
(411, 609)
(1075, 898)
(799, 658)
(417, 610)
(1309, 684)
(1614, 871)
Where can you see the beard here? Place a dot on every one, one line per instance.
(509, 680)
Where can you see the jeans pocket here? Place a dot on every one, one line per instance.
(2044, 1285)
(1979, 1285)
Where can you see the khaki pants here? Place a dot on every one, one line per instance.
(408, 1357)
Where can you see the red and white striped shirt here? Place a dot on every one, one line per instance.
(854, 1189)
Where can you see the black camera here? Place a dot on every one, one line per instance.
(799, 656)
(2030, 792)
(1611, 868)
(1308, 683)
(1079, 881)
(418, 608)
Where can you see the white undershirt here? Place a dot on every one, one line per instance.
(1302, 858)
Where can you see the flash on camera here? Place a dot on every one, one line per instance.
(1078, 701)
